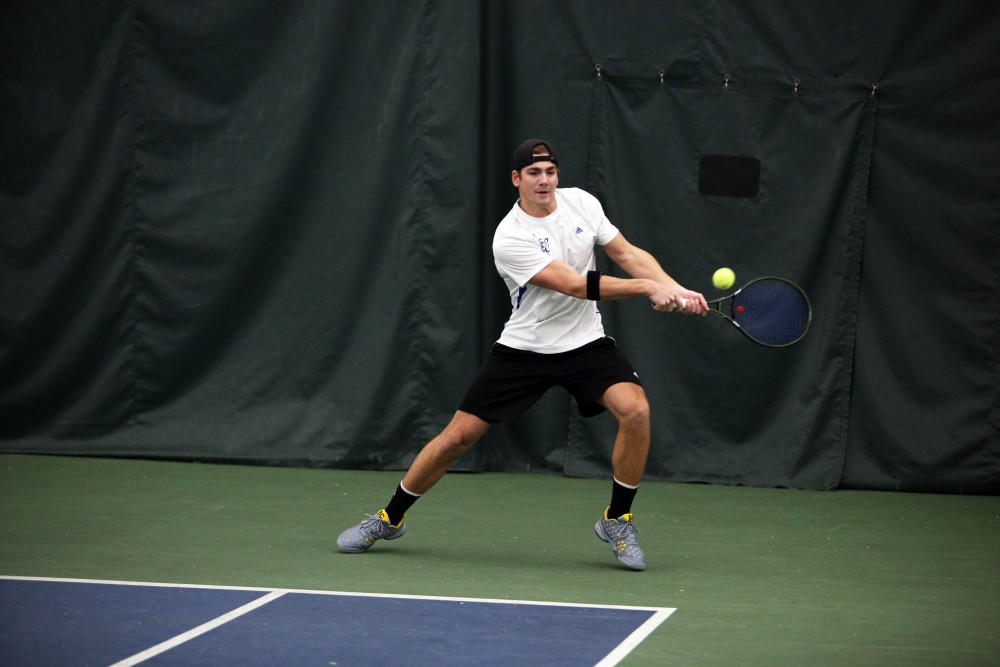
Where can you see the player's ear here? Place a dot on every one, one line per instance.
(515, 177)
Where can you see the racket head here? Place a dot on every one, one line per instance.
(771, 311)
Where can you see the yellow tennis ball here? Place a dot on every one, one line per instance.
(723, 278)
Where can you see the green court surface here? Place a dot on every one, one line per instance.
(758, 576)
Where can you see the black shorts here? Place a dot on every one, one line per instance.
(511, 381)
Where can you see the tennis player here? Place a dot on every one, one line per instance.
(544, 251)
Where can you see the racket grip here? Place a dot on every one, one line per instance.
(683, 302)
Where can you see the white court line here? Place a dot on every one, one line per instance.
(660, 614)
(634, 639)
(174, 642)
(307, 591)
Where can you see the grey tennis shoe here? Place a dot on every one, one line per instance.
(624, 540)
(361, 537)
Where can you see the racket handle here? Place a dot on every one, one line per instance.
(683, 302)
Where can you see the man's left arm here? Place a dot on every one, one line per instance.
(638, 263)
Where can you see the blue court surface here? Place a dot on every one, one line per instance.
(76, 622)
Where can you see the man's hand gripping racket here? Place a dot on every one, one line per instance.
(679, 300)
(770, 311)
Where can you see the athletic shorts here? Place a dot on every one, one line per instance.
(511, 381)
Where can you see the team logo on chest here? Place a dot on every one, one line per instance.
(545, 245)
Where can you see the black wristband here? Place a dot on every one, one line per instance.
(594, 285)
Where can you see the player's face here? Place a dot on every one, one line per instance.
(536, 185)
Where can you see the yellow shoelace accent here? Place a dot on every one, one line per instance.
(627, 517)
(385, 517)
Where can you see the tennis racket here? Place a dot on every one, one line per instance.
(770, 311)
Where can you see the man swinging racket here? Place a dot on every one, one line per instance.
(544, 251)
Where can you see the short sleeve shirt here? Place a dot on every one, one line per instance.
(543, 320)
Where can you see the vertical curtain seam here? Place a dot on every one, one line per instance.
(418, 314)
(575, 435)
(859, 216)
(132, 217)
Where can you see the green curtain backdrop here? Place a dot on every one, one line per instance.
(781, 414)
(259, 231)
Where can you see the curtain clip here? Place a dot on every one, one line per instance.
(795, 90)
(874, 88)
(662, 73)
(725, 86)
(598, 68)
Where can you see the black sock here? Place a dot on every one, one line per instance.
(401, 501)
(621, 499)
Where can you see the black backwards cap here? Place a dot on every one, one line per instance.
(523, 155)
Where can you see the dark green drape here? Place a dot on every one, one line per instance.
(260, 231)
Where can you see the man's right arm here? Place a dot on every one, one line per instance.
(560, 277)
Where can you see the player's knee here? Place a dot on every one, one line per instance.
(636, 413)
(456, 441)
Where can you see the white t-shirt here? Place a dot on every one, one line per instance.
(543, 320)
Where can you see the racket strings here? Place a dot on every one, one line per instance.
(772, 312)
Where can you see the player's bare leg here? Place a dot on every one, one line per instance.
(437, 455)
(627, 402)
(427, 469)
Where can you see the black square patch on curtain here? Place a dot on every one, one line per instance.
(729, 176)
